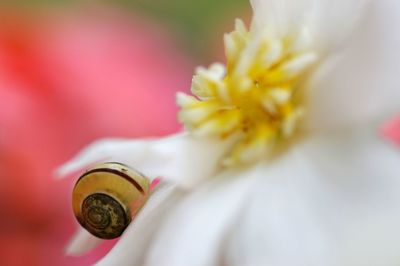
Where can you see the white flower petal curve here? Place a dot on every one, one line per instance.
(361, 85)
(195, 232)
(331, 201)
(81, 243)
(327, 22)
(179, 158)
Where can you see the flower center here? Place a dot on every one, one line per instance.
(257, 97)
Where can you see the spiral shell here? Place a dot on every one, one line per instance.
(107, 196)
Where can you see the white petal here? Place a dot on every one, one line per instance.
(327, 22)
(179, 158)
(104, 150)
(81, 243)
(362, 84)
(330, 201)
(195, 231)
(333, 200)
(134, 244)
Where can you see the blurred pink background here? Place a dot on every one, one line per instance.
(67, 78)
(391, 130)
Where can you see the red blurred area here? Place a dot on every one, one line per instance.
(391, 130)
(67, 78)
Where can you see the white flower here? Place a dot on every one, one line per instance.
(282, 163)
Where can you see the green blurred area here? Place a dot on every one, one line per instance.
(197, 23)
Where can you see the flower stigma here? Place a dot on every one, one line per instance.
(257, 98)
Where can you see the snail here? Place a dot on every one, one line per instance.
(107, 196)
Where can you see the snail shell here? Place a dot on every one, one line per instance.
(106, 197)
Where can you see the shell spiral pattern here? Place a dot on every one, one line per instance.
(107, 196)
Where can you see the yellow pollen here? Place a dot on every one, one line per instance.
(257, 97)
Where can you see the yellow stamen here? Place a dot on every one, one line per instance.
(258, 97)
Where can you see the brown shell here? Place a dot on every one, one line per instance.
(107, 196)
